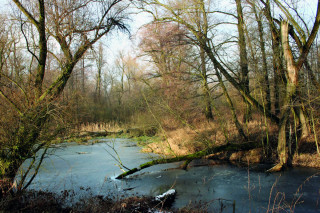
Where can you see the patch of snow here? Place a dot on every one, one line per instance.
(168, 193)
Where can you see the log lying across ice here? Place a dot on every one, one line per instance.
(188, 158)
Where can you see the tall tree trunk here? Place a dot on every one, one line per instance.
(205, 87)
(278, 69)
(42, 49)
(264, 58)
(202, 25)
(291, 89)
(82, 76)
(244, 73)
(99, 63)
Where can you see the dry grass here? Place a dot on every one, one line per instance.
(176, 142)
(100, 127)
(307, 160)
(200, 134)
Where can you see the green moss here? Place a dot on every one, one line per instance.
(3, 166)
(127, 173)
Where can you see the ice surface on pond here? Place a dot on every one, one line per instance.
(94, 173)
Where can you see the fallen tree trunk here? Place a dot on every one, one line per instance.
(228, 147)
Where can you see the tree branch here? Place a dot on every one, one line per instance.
(27, 13)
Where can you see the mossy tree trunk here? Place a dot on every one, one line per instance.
(284, 118)
(291, 88)
(26, 142)
(188, 158)
(32, 119)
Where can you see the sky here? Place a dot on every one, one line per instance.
(3, 4)
(117, 41)
(121, 42)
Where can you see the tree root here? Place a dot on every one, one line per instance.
(188, 158)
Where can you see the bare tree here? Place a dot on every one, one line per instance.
(73, 26)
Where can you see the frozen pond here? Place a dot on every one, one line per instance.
(91, 170)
